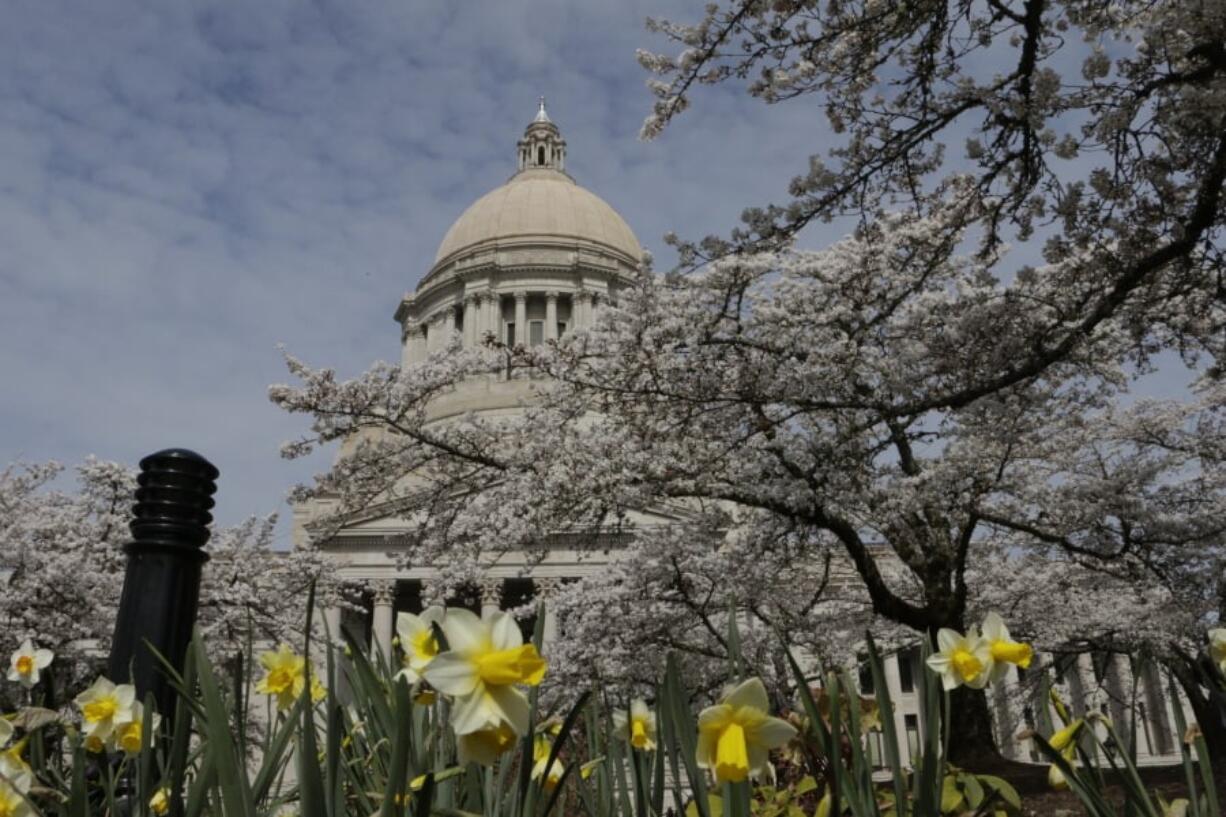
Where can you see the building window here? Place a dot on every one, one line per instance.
(520, 592)
(540, 155)
(536, 333)
(561, 328)
(911, 724)
(511, 334)
(866, 675)
(906, 676)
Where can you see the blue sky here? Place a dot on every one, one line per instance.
(183, 186)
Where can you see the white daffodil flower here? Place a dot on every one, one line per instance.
(27, 663)
(736, 735)
(417, 640)
(486, 660)
(962, 659)
(105, 707)
(637, 726)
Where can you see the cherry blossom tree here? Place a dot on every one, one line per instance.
(62, 566)
(904, 427)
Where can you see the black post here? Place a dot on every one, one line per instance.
(161, 588)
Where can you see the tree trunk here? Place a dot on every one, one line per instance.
(1207, 704)
(971, 742)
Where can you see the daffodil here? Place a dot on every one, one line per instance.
(128, 737)
(285, 677)
(549, 779)
(486, 661)
(636, 726)
(736, 735)
(1005, 650)
(12, 789)
(159, 803)
(485, 745)
(586, 770)
(27, 662)
(105, 707)
(417, 640)
(962, 659)
(1217, 647)
(12, 767)
(1063, 741)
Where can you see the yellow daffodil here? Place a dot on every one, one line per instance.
(159, 803)
(962, 659)
(285, 677)
(128, 736)
(1005, 650)
(586, 770)
(636, 726)
(736, 735)
(1058, 704)
(105, 707)
(417, 640)
(16, 771)
(12, 803)
(1063, 741)
(27, 662)
(1217, 647)
(485, 745)
(541, 747)
(486, 660)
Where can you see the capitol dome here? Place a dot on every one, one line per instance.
(539, 205)
(527, 263)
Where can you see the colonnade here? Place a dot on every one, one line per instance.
(481, 312)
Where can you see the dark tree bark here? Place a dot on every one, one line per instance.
(971, 742)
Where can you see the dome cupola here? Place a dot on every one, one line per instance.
(542, 145)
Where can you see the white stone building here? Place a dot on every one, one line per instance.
(529, 261)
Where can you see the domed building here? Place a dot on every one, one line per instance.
(526, 263)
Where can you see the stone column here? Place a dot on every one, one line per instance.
(472, 306)
(1007, 718)
(383, 624)
(551, 315)
(581, 306)
(406, 344)
(521, 318)
(332, 623)
(493, 314)
(433, 331)
(544, 589)
(1155, 708)
(491, 596)
(415, 345)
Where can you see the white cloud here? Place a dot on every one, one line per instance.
(182, 187)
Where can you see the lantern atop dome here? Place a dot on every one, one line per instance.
(542, 147)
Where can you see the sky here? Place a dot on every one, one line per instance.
(186, 186)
